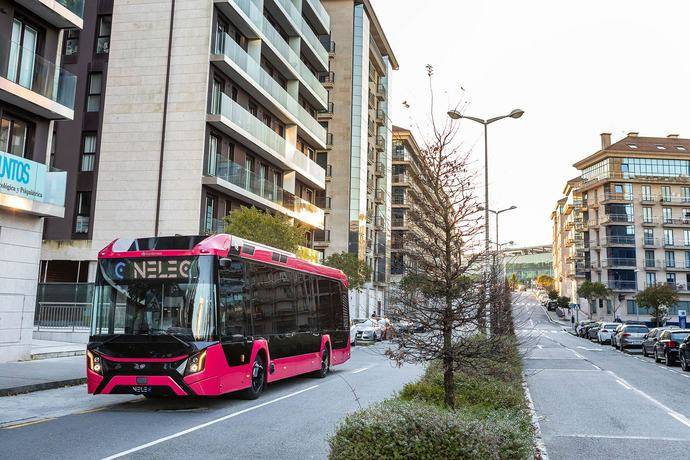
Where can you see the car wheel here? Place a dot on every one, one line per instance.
(684, 363)
(668, 359)
(258, 379)
(656, 356)
(644, 351)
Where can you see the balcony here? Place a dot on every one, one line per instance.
(380, 169)
(616, 219)
(229, 177)
(63, 14)
(649, 199)
(232, 59)
(329, 172)
(327, 113)
(650, 222)
(39, 191)
(652, 264)
(327, 79)
(322, 238)
(650, 243)
(379, 223)
(235, 121)
(380, 116)
(379, 196)
(623, 240)
(318, 15)
(371, 155)
(314, 47)
(621, 285)
(618, 262)
(35, 84)
(324, 202)
(380, 143)
(380, 91)
(399, 179)
(675, 201)
(676, 222)
(611, 197)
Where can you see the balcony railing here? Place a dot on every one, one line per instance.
(75, 6)
(618, 262)
(620, 285)
(320, 12)
(322, 236)
(307, 34)
(613, 196)
(613, 240)
(676, 221)
(617, 218)
(239, 56)
(36, 73)
(683, 200)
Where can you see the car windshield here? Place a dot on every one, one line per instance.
(679, 335)
(609, 326)
(636, 329)
(155, 296)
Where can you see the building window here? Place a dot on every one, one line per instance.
(651, 278)
(665, 193)
(216, 96)
(71, 42)
(210, 213)
(83, 213)
(253, 109)
(649, 259)
(648, 236)
(93, 98)
(103, 37)
(15, 136)
(213, 143)
(670, 258)
(668, 237)
(668, 215)
(647, 192)
(88, 153)
(647, 214)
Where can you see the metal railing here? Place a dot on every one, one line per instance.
(63, 315)
(75, 6)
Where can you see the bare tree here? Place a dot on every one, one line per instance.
(444, 259)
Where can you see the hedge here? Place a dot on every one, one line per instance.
(398, 429)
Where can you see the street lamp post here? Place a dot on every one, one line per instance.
(496, 213)
(455, 115)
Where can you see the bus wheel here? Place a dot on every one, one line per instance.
(258, 379)
(325, 363)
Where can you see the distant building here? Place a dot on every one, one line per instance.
(529, 262)
(625, 222)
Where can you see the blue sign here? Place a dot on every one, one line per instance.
(681, 319)
(31, 180)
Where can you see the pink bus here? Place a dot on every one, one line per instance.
(197, 315)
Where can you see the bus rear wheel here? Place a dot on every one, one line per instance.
(258, 379)
(325, 364)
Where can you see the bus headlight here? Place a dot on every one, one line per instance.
(196, 363)
(94, 362)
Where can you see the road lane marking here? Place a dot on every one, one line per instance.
(676, 415)
(204, 425)
(361, 370)
(623, 384)
(603, 436)
(590, 349)
(10, 426)
(540, 347)
(682, 419)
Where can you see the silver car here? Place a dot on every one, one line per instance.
(631, 335)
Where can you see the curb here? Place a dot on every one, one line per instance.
(41, 387)
(539, 446)
(57, 354)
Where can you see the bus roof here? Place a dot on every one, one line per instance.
(220, 245)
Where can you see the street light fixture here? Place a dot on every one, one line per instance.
(496, 213)
(455, 115)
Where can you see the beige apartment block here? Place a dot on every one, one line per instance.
(359, 160)
(209, 106)
(625, 222)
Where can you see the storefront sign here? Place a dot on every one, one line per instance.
(22, 177)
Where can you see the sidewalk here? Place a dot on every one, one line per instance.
(44, 349)
(43, 374)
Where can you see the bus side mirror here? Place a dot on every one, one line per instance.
(225, 262)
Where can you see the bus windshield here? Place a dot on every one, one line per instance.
(147, 296)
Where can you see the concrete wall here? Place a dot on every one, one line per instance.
(20, 250)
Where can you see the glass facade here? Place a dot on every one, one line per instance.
(637, 167)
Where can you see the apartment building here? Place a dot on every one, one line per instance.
(35, 91)
(625, 222)
(208, 106)
(406, 160)
(66, 252)
(359, 161)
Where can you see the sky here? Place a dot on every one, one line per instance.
(576, 68)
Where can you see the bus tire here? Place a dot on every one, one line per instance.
(258, 378)
(325, 363)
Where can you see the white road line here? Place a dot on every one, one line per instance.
(540, 347)
(360, 370)
(678, 416)
(603, 436)
(204, 425)
(624, 385)
(682, 419)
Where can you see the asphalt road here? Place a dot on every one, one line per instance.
(596, 402)
(292, 418)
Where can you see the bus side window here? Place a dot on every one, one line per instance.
(233, 305)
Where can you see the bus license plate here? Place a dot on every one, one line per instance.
(141, 389)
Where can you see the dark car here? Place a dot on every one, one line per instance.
(593, 331)
(585, 330)
(667, 346)
(552, 305)
(684, 353)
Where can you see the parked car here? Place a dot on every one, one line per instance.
(593, 330)
(684, 354)
(631, 335)
(667, 346)
(368, 330)
(586, 328)
(551, 305)
(604, 333)
(650, 340)
(353, 328)
(580, 327)
(614, 336)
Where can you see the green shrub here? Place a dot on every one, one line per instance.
(413, 430)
